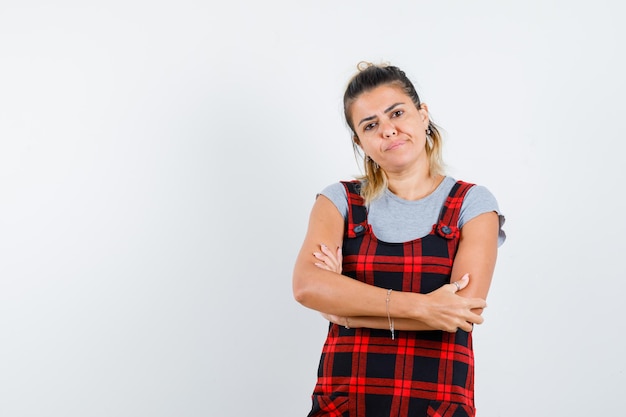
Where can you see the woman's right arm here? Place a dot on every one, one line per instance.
(325, 290)
(332, 293)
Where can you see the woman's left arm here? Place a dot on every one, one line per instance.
(476, 255)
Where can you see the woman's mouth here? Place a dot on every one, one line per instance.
(395, 145)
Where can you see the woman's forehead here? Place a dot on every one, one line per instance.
(379, 99)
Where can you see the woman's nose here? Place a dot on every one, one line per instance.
(389, 130)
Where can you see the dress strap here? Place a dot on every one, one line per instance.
(356, 223)
(448, 223)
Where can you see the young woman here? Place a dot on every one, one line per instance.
(399, 261)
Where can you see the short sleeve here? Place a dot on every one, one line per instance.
(479, 200)
(337, 194)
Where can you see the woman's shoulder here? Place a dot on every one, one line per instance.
(334, 189)
(480, 194)
(336, 192)
(476, 193)
(478, 200)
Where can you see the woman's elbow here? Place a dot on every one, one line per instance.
(300, 296)
(301, 291)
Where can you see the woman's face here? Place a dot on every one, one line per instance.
(390, 129)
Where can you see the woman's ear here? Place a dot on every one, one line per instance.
(356, 140)
(423, 110)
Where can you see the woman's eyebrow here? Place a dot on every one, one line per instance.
(393, 106)
(387, 110)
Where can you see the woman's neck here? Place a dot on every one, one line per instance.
(413, 187)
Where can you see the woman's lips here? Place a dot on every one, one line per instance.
(394, 145)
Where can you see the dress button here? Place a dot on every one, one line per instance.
(446, 229)
(359, 228)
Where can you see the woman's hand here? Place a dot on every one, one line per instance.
(328, 260)
(341, 321)
(449, 312)
(331, 262)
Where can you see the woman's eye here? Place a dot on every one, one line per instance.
(398, 113)
(369, 126)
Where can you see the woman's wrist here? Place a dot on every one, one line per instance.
(405, 305)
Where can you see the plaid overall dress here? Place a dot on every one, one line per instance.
(363, 372)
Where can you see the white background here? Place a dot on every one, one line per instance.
(158, 161)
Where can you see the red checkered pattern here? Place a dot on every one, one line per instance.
(363, 372)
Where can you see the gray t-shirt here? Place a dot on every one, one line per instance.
(396, 220)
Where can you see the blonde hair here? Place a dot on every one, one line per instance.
(369, 77)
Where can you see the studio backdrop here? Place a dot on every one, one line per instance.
(158, 162)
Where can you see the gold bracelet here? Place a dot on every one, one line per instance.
(389, 316)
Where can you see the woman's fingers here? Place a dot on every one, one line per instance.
(461, 283)
(329, 260)
(463, 323)
(335, 319)
(451, 312)
(322, 265)
(468, 327)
